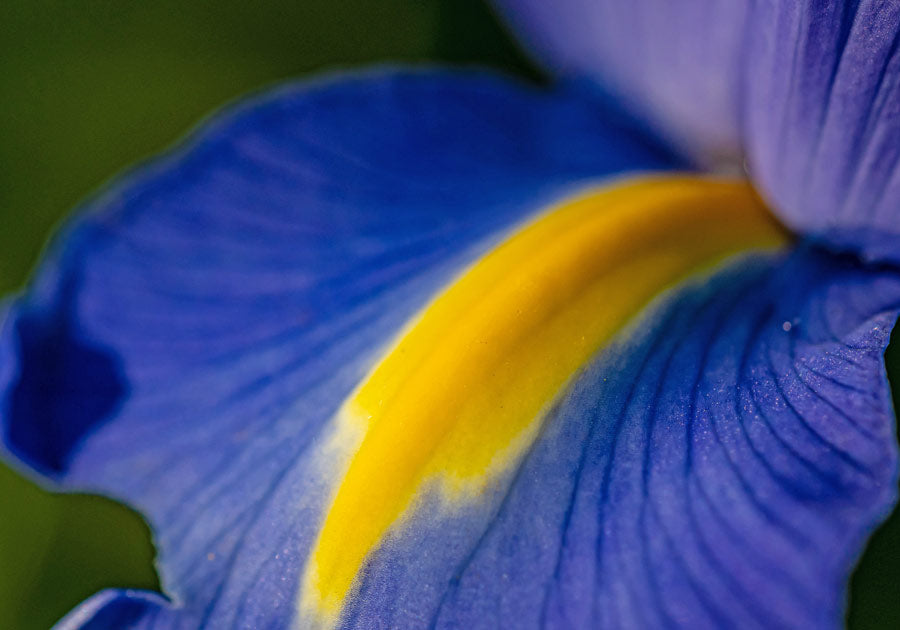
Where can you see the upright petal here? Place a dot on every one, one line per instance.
(675, 63)
(191, 334)
(807, 91)
(822, 119)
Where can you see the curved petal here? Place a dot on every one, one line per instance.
(807, 91)
(191, 334)
(719, 466)
(114, 609)
(822, 120)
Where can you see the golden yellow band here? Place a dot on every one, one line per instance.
(460, 395)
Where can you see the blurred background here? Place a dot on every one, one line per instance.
(89, 87)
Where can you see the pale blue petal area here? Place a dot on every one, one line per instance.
(719, 466)
(190, 334)
(674, 63)
(804, 94)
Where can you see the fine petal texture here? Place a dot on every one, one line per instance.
(807, 92)
(720, 466)
(451, 408)
(214, 309)
(822, 119)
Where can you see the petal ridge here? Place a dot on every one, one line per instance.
(706, 518)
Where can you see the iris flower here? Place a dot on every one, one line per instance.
(434, 349)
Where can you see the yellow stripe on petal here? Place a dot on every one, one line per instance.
(460, 395)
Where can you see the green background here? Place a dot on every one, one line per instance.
(87, 88)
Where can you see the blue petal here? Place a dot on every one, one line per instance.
(192, 332)
(114, 609)
(806, 91)
(719, 467)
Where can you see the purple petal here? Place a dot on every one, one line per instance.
(807, 92)
(822, 120)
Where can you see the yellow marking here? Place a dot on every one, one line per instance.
(460, 395)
